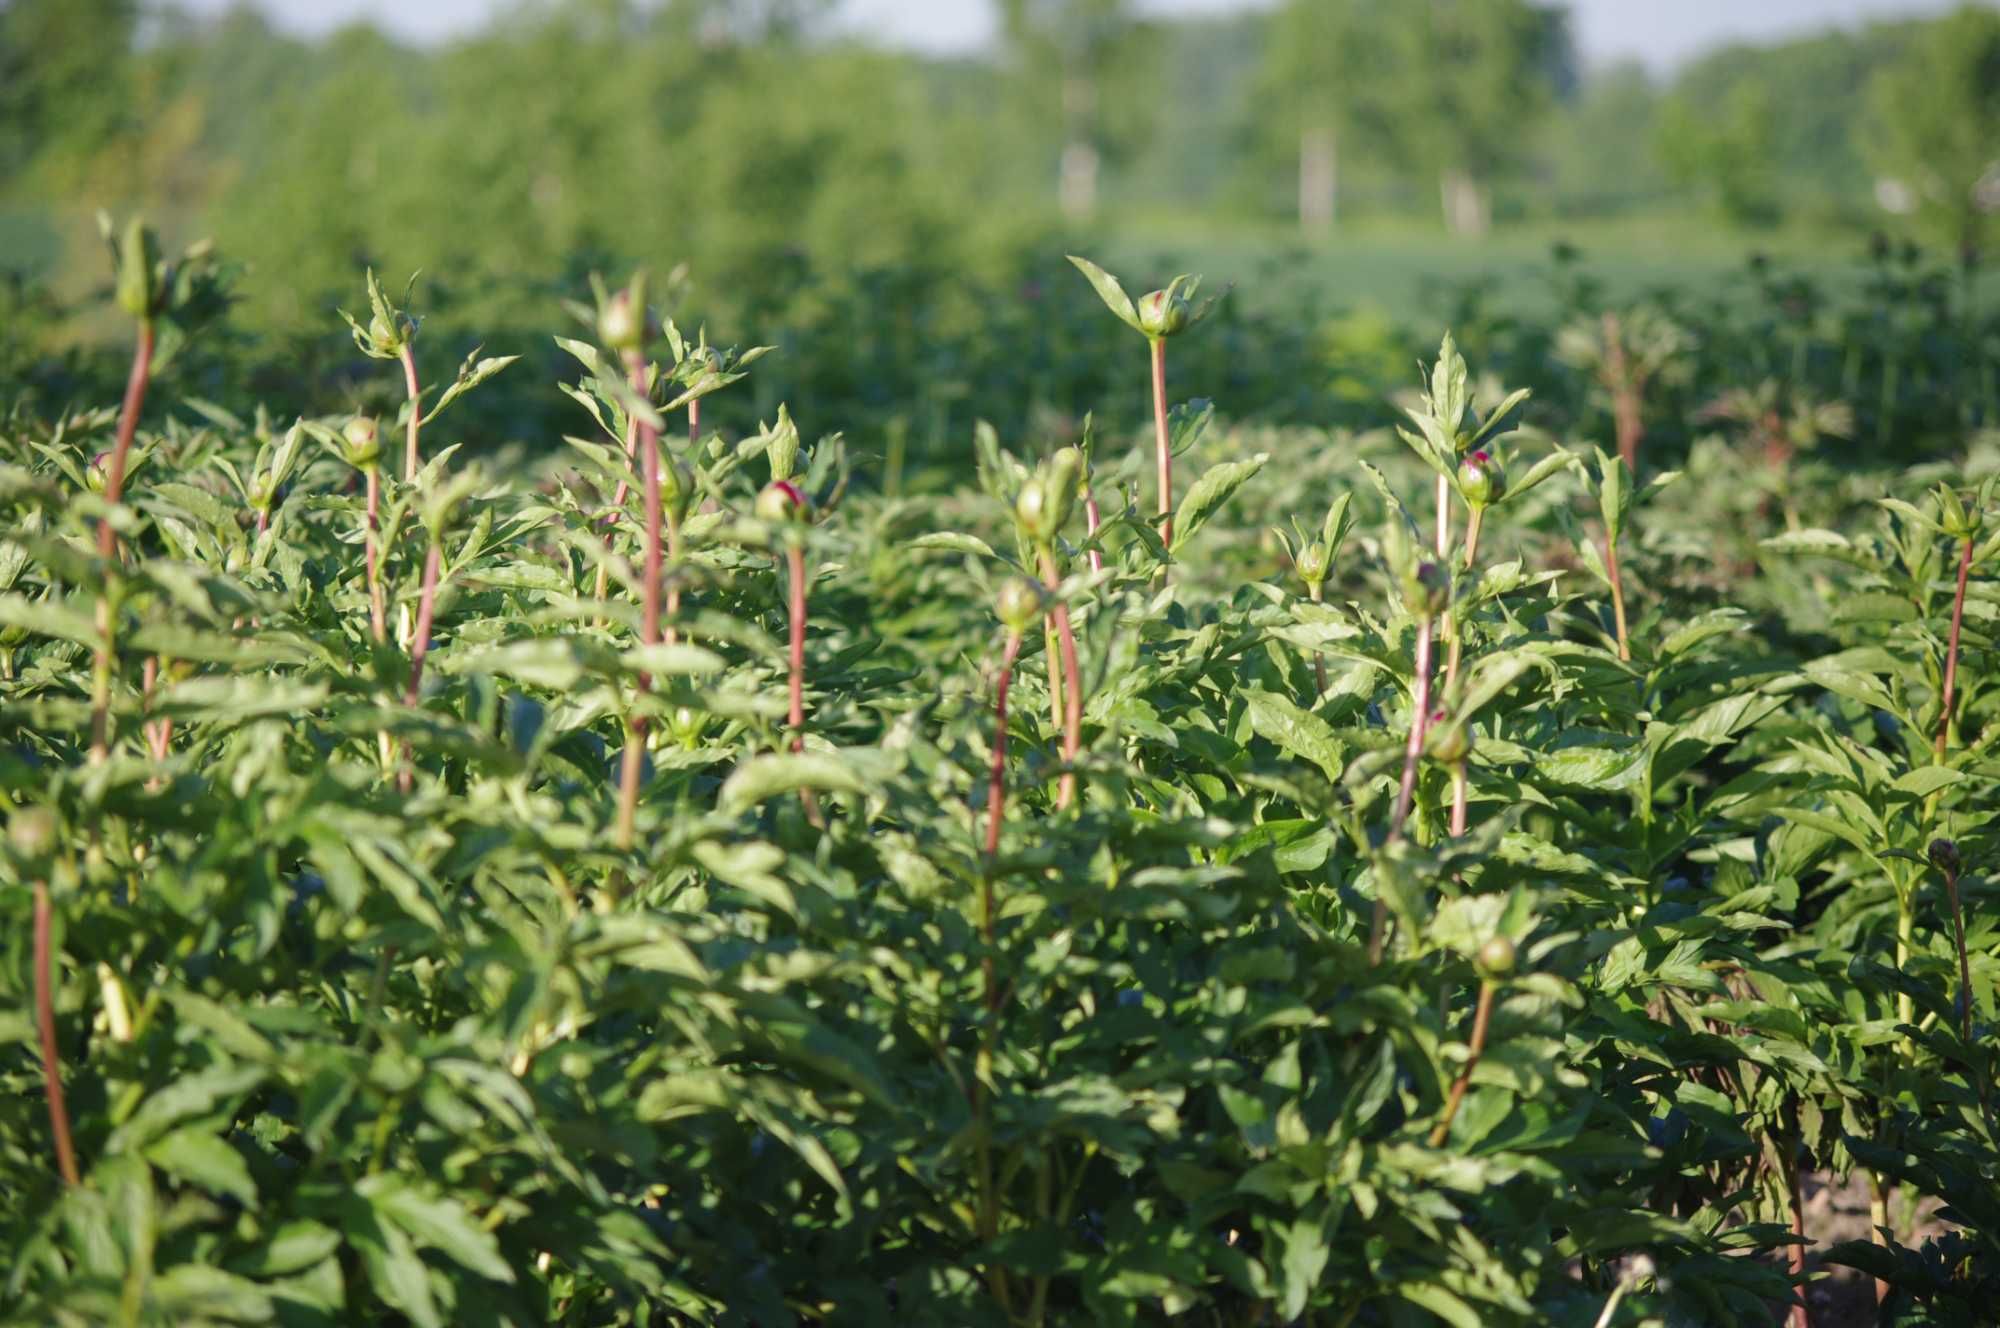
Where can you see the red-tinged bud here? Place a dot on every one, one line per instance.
(1446, 740)
(1944, 856)
(1426, 591)
(1163, 313)
(1481, 479)
(781, 503)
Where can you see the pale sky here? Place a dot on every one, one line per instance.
(1661, 33)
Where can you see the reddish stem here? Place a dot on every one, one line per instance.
(45, 1019)
(1162, 441)
(1072, 685)
(409, 358)
(649, 459)
(795, 556)
(1459, 810)
(1407, 793)
(1481, 1018)
(377, 612)
(1625, 391)
(420, 643)
(996, 802)
(1801, 1315)
(1421, 695)
(1951, 652)
(1617, 596)
(128, 427)
(107, 538)
(996, 791)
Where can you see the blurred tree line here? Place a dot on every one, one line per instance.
(880, 204)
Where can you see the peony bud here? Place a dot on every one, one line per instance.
(620, 325)
(138, 290)
(1033, 510)
(31, 831)
(1481, 479)
(363, 440)
(1495, 959)
(781, 503)
(1446, 740)
(1944, 856)
(1426, 590)
(97, 475)
(1163, 313)
(1313, 563)
(1959, 519)
(783, 451)
(676, 488)
(1065, 476)
(1018, 603)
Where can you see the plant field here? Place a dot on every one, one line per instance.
(1481, 867)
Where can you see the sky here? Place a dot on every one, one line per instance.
(1659, 33)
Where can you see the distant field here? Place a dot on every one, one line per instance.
(1408, 271)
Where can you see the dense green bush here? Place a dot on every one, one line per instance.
(1382, 924)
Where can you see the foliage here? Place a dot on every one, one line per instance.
(364, 1008)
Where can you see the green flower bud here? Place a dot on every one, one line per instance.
(1960, 520)
(1313, 563)
(13, 634)
(1033, 509)
(622, 323)
(781, 503)
(138, 291)
(1481, 479)
(1944, 856)
(1163, 313)
(97, 475)
(676, 488)
(1495, 959)
(1018, 604)
(783, 450)
(686, 724)
(1446, 740)
(389, 333)
(1426, 590)
(263, 488)
(363, 440)
(1064, 482)
(31, 831)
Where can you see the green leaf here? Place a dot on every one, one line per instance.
(954, 542)
(774, 773)
(1110, 291)
(1207, 495)
(194, 1154)
(438, 1222)
(1298, 732)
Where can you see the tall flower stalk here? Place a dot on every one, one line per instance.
(1156, 316)
(625, 325)
(141, 292)
(1495, 962)
(1040, 511)
(390, 335)
(1962, 522)
(31, 839)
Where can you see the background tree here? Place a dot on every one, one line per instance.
(1084, 46)
(1475, 78)
(1936, 124)
(1326, 74)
